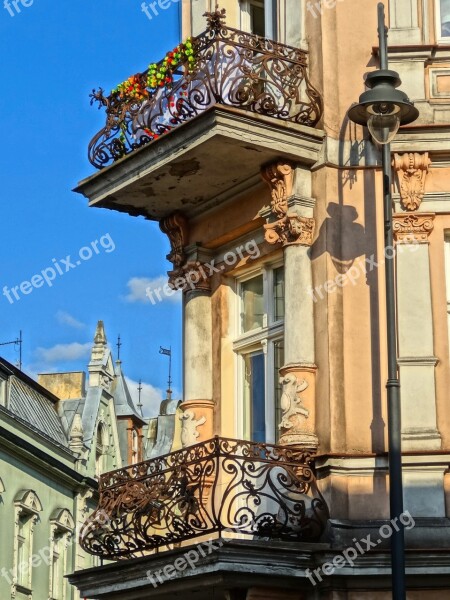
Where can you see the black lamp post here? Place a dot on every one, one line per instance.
(383, 108)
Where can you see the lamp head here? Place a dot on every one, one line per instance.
(383, 108)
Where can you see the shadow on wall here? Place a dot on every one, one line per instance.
(341, 237)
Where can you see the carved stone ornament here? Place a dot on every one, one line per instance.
(287, 227)
(189, 433)
(292, 229)
(192, 275)
(412, 229)
(279, 177)
(176, 229)
(291, 403)
(412, 169)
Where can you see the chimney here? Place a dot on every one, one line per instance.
(66, 386)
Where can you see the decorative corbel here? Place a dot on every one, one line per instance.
(412, 169)
(280, 178)
(285, 226)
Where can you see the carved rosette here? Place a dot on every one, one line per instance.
(285, 227)
(412, 169)
(413, 228)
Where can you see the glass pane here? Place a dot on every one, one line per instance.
(252, 304)
(445, 18)
(257, 20)
(278, 294)
(254, 397)
(278, 352)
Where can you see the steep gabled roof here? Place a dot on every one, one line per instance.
(122, 398)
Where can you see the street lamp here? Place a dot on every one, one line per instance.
(383, 108)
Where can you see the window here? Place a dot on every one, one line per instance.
(27, 507)
(2, 390)
(259, 348)
(257, 18)
(134, 447)
(100, 450)
(443, 20)
(62, 528)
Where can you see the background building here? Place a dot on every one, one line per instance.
(271, 200)
(56, 437)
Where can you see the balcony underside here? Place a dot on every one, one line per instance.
(200, 164)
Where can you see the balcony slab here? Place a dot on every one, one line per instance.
(200, 164)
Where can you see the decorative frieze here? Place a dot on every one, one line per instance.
(412, 228)
(291, 229)
(412, 169)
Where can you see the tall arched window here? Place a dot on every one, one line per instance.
(134, 447)
(100, 450)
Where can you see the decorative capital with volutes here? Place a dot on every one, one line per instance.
(413, 228)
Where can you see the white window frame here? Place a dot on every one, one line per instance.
(26, 505)
(437, 11)
(261, 338)
(269, 26)
(62, 527)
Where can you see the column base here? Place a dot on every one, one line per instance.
(297, 427)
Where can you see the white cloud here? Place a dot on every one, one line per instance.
(63, 352)
(153, 291)
(151, 397)
(66, 319)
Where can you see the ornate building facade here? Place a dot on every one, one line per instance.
(57, 437)
(271, 200)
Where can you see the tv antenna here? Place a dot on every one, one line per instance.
(16, 342)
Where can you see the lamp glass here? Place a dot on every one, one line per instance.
(383, 127)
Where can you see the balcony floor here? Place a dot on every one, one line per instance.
(200, 164)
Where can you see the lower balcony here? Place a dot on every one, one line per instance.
(218, 488)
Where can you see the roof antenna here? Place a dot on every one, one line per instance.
(17, 342)
(119, 344)
(168, 352)
(139, 401)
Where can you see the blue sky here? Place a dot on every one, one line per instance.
(52, 55)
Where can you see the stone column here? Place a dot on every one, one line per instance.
(191, 274)
(291, 224)
(415, 332)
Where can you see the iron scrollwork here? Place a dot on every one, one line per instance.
(231, 68)
(221, 485)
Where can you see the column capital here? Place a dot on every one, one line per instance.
(412, 228)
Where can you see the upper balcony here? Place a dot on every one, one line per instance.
(205, 118)
(218, 488)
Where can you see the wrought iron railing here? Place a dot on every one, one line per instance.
(231, 68)
(221, 486)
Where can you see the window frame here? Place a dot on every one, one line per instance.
(27, 507)
(259, 339)
(438, 25)
(62, 527)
